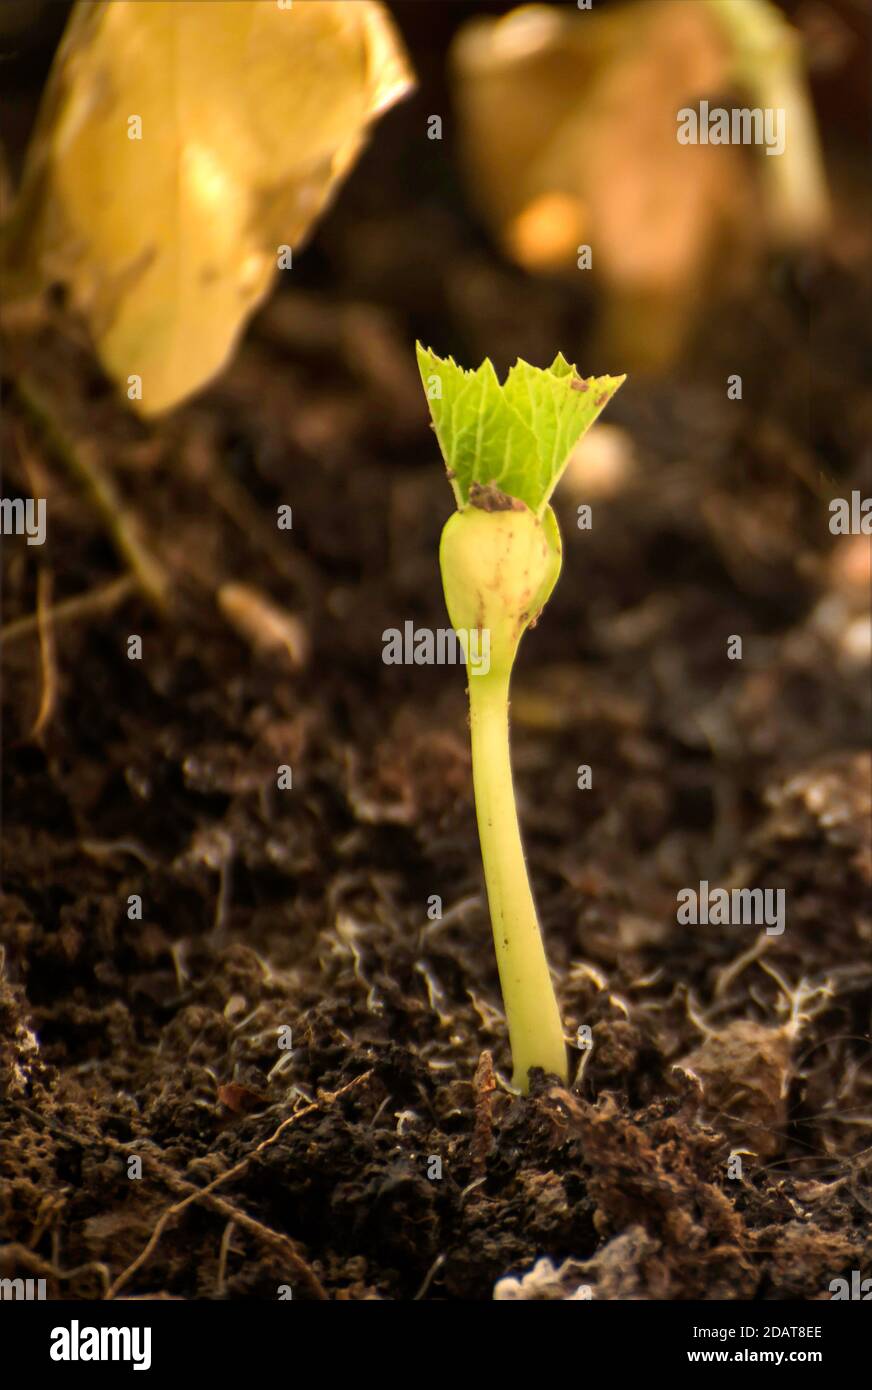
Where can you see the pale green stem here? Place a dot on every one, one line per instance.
(535, 1029)
(768, 59)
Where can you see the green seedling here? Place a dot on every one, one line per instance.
(505, 447)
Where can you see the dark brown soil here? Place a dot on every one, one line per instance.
(307, 909)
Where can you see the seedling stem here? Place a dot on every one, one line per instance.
(535, 1028)
(500, 555)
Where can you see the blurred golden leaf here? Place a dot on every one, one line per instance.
(250, 113)
(569, 126)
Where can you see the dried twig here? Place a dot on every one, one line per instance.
(47, 657)
(71, 609)
(222, 1258)
(80, 460)
(232, 1213)
(15, 1256)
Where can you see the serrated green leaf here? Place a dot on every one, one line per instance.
(517, 436)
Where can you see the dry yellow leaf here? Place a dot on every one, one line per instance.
(569, 132)
(181, 144)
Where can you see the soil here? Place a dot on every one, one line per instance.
(383, 1156)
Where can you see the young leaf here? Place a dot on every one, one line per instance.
(517, 436)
